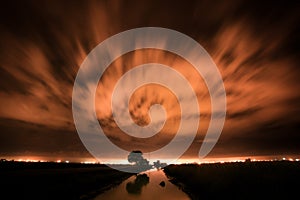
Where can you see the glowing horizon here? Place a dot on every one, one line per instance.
(256, 55)
(90, 160)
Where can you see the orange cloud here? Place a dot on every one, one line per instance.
(44, 46)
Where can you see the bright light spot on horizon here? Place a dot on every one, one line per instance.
(291, 158)
(88, 162)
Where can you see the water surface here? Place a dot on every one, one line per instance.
(145, 186)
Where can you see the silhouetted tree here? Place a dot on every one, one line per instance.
(137, 158)
(157, 164)
(140, 162)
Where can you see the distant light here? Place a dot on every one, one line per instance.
(58, 161)
(297, 159)
(291, 159)
(67, 161)
(283, 158)
(88, 162)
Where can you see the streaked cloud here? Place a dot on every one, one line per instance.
(43, 44)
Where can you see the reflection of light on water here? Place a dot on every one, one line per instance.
(151, 190)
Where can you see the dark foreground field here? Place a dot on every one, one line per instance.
(21, 180)
(249, 180)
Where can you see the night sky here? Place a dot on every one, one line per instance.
(255, 45)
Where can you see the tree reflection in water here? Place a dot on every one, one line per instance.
(135, 187)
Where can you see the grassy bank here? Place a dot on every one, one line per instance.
(249, 180)
(56, 180)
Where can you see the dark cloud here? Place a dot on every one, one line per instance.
(18, 137)
(272, 138)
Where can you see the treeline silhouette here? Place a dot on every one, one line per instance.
(49, 180)
(243, 180)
